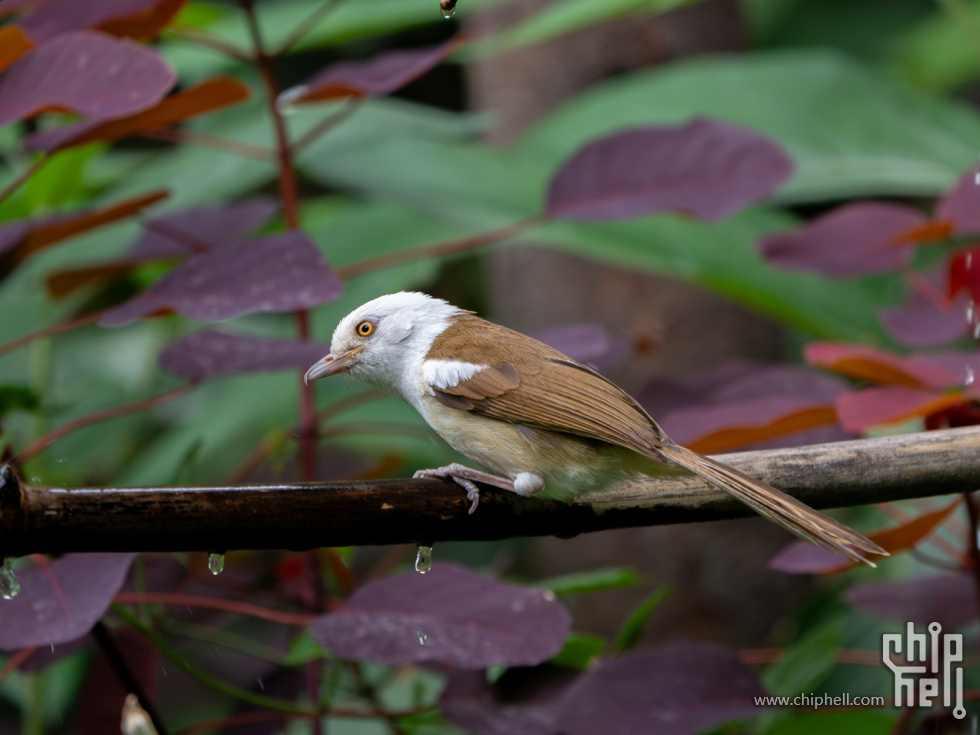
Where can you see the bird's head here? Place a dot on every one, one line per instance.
(384, 341)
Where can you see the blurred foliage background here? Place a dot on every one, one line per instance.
(871, 99)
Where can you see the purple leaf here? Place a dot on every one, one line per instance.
(677, 689)
(277, 273)
(591, 344)
(961, 205)
(450, 615)
(58, 16)
(741, 404)
(523, 701)
(707, 169)
(863, 409)
(801, 557)
(201, 228)
(852, 240)
(920, 323)
(948, 599)
(210, 353)
(86, 72)
(63, 602)
(377, 76)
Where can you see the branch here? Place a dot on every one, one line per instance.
(304, 516)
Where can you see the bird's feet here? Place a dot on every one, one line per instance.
(464, 477)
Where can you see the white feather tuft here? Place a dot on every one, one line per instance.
(444, 374)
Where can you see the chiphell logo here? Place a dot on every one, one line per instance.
(925, 667)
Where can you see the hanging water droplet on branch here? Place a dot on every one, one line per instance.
(9, 586)
(423, 559)
(448, 7)
(216, 562)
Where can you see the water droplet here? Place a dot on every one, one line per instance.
(423, 559)
(216, 563)
(261, 684)
(422, 637)
(285, 102)
(9, 586)
(968, 380)
(448, 8)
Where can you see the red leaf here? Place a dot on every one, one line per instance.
(141, 19)
(85, 72)
(21, 239)
(677, 689)
(209, 95)
(803, 558)
(13, 44)
(210, 353)
(863, 409)
(964, 274)
(63, 602)
(450, 615)
(706, 169)
(961, 205)
(276, 273)
(877, 366)
(849, 241)
(377, 76)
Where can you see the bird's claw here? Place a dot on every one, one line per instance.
(472, 491)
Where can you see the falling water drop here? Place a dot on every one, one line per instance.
(448, 8)
(423, 559)
(216, 562)
(422, 637)
(9, 586)
(970, 377)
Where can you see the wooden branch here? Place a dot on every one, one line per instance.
(304, 516)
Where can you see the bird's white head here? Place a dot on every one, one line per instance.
(385, 341)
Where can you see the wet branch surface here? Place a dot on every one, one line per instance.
(309, 515)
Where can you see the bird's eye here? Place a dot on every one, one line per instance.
(365, 329)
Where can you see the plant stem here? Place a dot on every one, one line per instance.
(210, 41)
(306, 25)
(96, 417)
(126, 676)
(327, 123)
(48, 331)
(434, 250)
(207, 140)
(180, 661)
(214, 603)
(24, 176)
(289, 194)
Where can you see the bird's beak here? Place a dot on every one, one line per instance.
(330, 365)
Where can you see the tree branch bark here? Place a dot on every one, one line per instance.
(304, 516)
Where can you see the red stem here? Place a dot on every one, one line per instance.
(289, 194)
(48, 331)
(24, 176)
(215, 603)
(99, 416)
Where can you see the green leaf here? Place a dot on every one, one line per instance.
(807, 662)
(579, 651)
(595, 580)
(940, 53)
(632, 630)
(558, 19)
(838, 723)
(724, 257)
(850, 130)
(303, 649)
(18, 397)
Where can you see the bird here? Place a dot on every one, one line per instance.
(537, 421)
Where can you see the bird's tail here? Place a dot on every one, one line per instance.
(777, 506)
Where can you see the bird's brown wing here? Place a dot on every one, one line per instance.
(527, 382)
